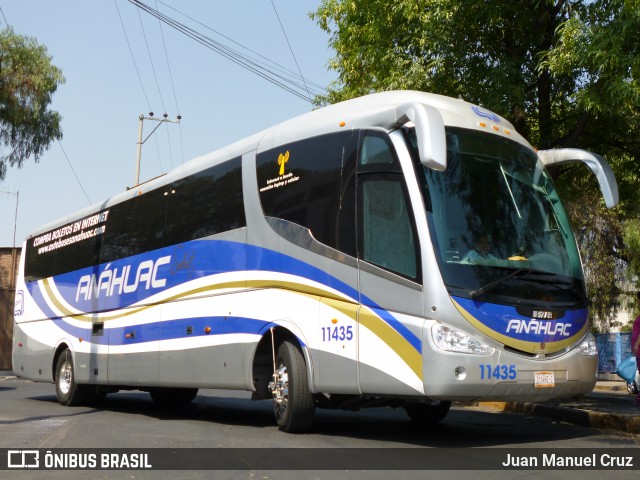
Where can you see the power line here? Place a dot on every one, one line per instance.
(74, 172)
(159, 158)
(132, 57)
(273, 64)
(290, 49)
(166, 56)
(164, 108)
(169, 142)
(153, 68)
(144, 91)
(173, 88)
(5, 18)
(290, 82)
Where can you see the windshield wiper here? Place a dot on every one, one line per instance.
(554, 280)
(490, 286)
(551, 278)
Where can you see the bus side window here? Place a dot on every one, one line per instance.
(386, 234)
(135, 226)
(206, 203)
(375, 151)
(39, 263)
(82, 254)
(317, 187)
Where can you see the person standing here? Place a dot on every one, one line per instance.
(635, 345)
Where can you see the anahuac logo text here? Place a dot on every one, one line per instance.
(121, 280)
(539, 327)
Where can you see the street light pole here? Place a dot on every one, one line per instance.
(140, 142)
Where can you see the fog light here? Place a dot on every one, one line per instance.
(588, 346)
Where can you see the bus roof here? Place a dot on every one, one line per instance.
(362, 112)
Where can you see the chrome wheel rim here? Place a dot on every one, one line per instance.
(66, 377)
(280, 390)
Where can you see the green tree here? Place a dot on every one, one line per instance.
(28, 81)
(601, 48)
(565, 73)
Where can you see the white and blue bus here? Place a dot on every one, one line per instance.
(402, 249)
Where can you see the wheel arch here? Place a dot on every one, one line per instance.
(262, 358)
(60, 348)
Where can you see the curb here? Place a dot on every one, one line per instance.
(611, 388)
(585, 418)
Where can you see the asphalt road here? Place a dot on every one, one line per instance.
(30, 417)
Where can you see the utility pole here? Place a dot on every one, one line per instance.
(141, 119)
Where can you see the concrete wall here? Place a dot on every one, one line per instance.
(9, 260)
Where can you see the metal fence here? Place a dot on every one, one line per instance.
(612, 349)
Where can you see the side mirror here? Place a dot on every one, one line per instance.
(432, 141)
(597, 164)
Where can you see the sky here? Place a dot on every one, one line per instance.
(105, 92)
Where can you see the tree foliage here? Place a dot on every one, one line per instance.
(565, 73)
(28, 81)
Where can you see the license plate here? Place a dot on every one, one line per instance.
(544, 379)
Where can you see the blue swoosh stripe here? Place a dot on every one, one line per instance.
(205, 257)
(166, 330)
(496, 317)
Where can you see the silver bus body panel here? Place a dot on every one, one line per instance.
(455, 376)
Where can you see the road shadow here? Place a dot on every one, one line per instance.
(463, 427)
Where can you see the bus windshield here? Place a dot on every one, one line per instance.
(499, 230)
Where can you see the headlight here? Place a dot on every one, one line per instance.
(451, 340)
(588, 346)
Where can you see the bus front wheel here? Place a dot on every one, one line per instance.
(69, 393)
(293, 403)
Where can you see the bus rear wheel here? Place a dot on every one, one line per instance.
(69, 393)
(425, 413)
(293, 403)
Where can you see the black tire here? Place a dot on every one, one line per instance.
(426, 414)
(632, 388)
(173, 397)
(293, 403)
(69, 393)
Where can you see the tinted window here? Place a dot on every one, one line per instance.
(66, 248)
(135, 226)
(203, 204)
(387, 235)
(38, 263)
(206, 203)
(375, 150)
(387, 232)
(312, 183)
(377, 154)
